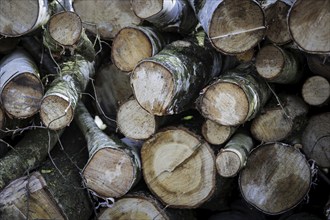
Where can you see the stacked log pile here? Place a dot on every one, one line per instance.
(158, 109)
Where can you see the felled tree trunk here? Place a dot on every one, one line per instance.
(47, 193)
(319, 65)
(22, 17)
(140, 205)
(235, 97)
(113, 168)
(280, 122)
(215, 133)
(111, 16)
(233, 26)
(232, 158)
(20, 86)
(134, 43)
(316, 91)
(277, 65)
(169, 82)
(59, 103)
(316, 139)
(309, 25)
(276, 178)
(174, 16)
(28, 154)
(179, 168)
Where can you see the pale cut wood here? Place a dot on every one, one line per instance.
(169, 82)
(135, 122)
(280, 122)
(179, 168)
(232, 158)
(112, 88)
(8, 44)
(175, 16)
(21, 17)
(276, 178)
(316, 139)
(235, 97)
(233, 26)
(309, 25)
(319, 65)
(20, 85)
(134, 43)
(215, 133)
(316, 91)
(2, 118)
(120, 172)
(105, 18)
(277, 65)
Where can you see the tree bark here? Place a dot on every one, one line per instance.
(277, 65)
(20, 86)
(111, 16)
(309, 25)
(173, 16)
(28, 154)
(169, 82)
(235, 97)
(215, 133)
(316, 139)
(134, 43)
(276, 178)
(59, 103)
(233, 26)
(179, 168)
(316, 91)
(22, 17)
(280, 122)
(113, 168)
(232, 158)
(319, 65)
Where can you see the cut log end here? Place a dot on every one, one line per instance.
(22, 95)
(153, 87)
(70, 28)
(316, 91)
(109, 172)
(228, 163)
(56, 112)
(147, 8)
(178, 168)
(215, 133)
(130, 43)
(135, 122)
(278, 184)
(309, 25)
(225, 103)
(237, 26)
(269, 62)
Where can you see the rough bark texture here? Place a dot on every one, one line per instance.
(277, 65)
(169, 82)
(111, 16)
(174, 16)
(20, 86)
(280, 122)
(134, 43)
(215, 133)
(112, 88)
(276, 178)
(309, 25)
(235, 97)
(232, 158)
(316, 139)
(122, 168)
(59, 102)
(179, 168)
(319, 65)
(28, 154)
(21, 17)
(233, 26)
(316, 91)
